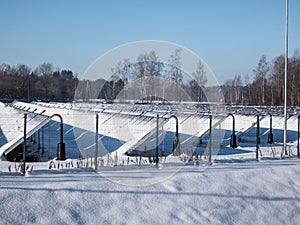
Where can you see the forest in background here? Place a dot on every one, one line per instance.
(148, 75)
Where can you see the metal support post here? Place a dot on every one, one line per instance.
(233, 135)
(270, 135)
(49, 140)
(156, 157)
(61, 147)
(176, 143)
(96, 143)
(39, 140)
(257, 136)
(298, 151)
(43, 139)
(210, 137)
(24, 144)
(163, 141)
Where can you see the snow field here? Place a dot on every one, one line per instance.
(245, 192)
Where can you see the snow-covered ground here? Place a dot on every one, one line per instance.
(227, 192)
(234, 189)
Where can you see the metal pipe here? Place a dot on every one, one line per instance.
(210, 137)
(233, 122)
(163, 141)
(24, 144)
(173, 116)
(270, 136)
(96, 142)
(233, 136)
(61, 126)
(284, 150)
(43, 139)
(176, 143)
(61, 148)
(49, 140)
(156, 157)
(270, 123)
(257, 136)
(39, 140)
(298, 151)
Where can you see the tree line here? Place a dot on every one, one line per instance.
(43, 83)
(267, 85)
(148, 79)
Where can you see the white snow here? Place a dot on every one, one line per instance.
(227, 192)
(234, 189)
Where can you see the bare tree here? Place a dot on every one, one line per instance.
(261, 72)
(277, 78)
(247, 98)
(116, 73)
(44, 69)
(146, 71)
(237, 87)
(175, 73)
(23, 83)
(201, 79)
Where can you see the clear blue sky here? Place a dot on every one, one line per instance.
(229, 35)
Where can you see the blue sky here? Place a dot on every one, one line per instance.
(229, 35)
